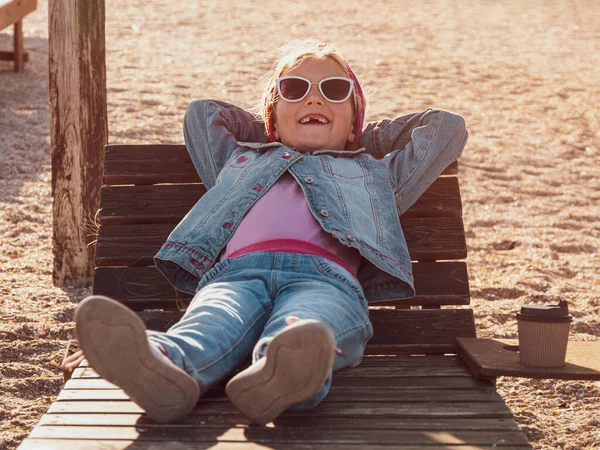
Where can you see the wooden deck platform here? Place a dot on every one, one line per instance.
(405, 402)
(418, 396)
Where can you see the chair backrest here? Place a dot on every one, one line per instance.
(149, 188)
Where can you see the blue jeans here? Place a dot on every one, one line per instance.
(241, 303)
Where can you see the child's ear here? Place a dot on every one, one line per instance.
(351, 135)
(275, 132)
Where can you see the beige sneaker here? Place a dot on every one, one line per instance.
(297, 363)
(114, 341)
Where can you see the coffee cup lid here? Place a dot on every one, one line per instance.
(546, 311)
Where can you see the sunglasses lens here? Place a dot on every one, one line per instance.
(293, 88)
(336, 90)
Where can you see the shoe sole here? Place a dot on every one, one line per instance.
(298, 362)
(114, 341)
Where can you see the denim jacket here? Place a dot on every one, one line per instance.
(357, 196)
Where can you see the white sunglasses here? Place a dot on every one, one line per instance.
(333, 89)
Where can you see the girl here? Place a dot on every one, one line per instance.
(299, 226)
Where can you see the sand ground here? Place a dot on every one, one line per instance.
(524, 73)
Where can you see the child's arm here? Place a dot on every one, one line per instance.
(416, 148)
(211, 129)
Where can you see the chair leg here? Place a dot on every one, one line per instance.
(18, 46)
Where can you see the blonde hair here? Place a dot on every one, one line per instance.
(288, 57)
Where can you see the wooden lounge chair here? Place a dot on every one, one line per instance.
(410, 392)
(12, 13)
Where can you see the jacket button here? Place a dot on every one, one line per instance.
(351, 238)
(324, 213)
(309, 180)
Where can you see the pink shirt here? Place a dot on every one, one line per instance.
(280, 221)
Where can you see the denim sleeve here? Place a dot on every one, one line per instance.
(212, 129)
(416, 149)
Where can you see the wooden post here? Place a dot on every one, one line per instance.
(18, 46)
(78, 132)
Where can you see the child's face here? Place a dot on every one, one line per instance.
(339, 117)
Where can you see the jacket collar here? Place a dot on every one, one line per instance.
(339, 152)
(259, 146)
(262, 146)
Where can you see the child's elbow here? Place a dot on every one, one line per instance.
(460, 126)
(454, 127)
(196, 106)
(455, 123)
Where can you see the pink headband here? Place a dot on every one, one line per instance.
(358, 122)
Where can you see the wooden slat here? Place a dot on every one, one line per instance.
(61, 444)
(370, 395)
(286, 421)
(413, 330)
(441, 283)
(154, 164)
(397, 331)
(166, 203)
(378, 366)
(403, 331)
(396, 373)
(441, 199)
(170, 203)
(456, 382)
(281, 436)
(441, 362)
(350, 409)
(137, 287)
(148, 164)
(436, 238)
(431, 239)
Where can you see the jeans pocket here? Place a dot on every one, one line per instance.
(338, 273)
(219, 269)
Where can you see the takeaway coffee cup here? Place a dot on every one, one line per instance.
(544, 334)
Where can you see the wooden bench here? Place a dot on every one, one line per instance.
(12, 13)
(410, 392)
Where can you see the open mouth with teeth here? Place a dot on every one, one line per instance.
(314, 119)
